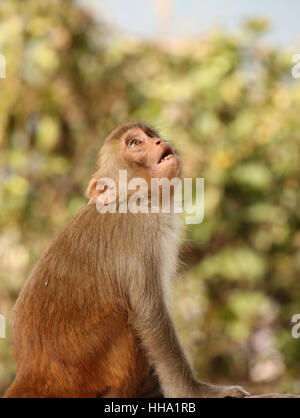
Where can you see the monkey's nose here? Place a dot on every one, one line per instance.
(157, 141)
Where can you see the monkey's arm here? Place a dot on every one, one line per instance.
(155, 329)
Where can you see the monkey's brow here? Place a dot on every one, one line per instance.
(131, 136)
(148, 131)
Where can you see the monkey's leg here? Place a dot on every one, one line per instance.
(149, 388)
(126, 371)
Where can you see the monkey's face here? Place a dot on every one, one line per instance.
(138, 149)
(147, 150)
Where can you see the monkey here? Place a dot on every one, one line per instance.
(92, 319)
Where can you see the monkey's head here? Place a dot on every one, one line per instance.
(140, 150)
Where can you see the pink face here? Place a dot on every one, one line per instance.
(155, 155)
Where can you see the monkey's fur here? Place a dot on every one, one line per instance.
(92, 319)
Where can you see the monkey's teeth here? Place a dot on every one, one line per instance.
(167, 157)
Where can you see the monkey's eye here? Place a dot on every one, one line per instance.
(134, 142)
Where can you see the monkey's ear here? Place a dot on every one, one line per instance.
(103, 189)
(92, 191)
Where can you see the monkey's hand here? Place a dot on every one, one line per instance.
(204, 390)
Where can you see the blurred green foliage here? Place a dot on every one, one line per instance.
(232, 109)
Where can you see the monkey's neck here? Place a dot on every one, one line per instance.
(144, 206)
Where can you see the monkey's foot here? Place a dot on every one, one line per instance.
(212, 391)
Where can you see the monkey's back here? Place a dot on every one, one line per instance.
(71, 318)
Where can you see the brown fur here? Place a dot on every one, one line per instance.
(91, 319)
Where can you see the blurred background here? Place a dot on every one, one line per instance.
(215, 78)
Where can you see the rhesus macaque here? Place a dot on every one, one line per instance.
(92, 319)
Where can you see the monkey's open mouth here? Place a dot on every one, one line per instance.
(166, 155)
